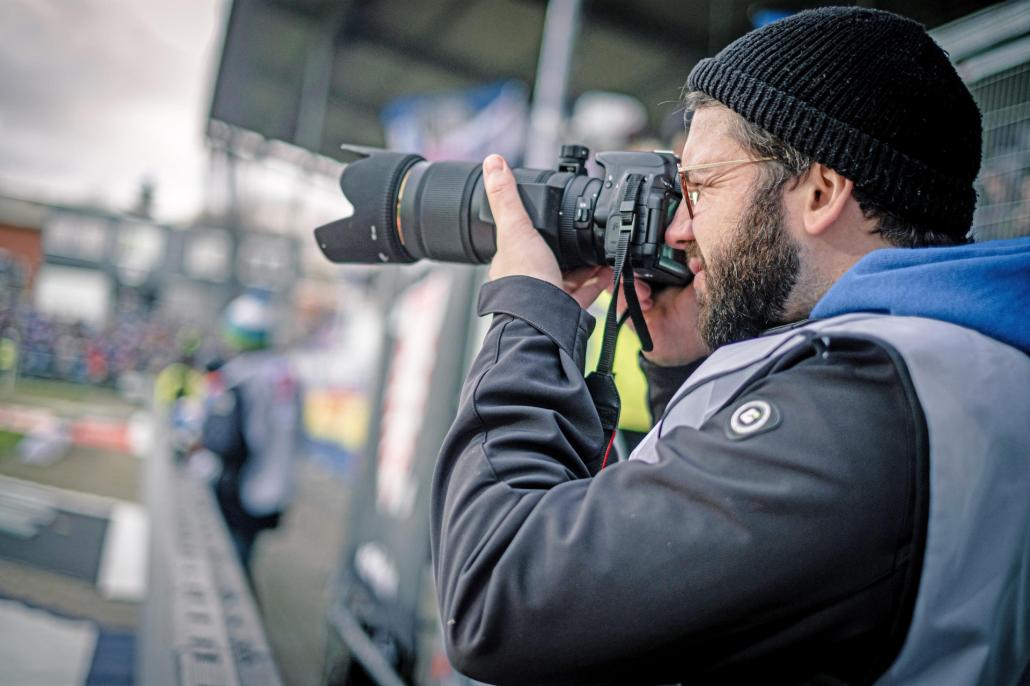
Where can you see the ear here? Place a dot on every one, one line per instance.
(825, 197)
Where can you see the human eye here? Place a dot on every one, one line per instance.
(692, 192)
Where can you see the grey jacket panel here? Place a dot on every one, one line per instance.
(719, 378)
(971, 622)
(972, 617)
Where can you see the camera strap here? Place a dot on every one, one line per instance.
(601, 383)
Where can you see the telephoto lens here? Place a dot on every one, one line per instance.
(407, 209)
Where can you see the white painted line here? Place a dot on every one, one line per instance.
(141, 433)
(41, 649)
(79, 502)
(123, 561)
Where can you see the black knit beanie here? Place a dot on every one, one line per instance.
(867, 93)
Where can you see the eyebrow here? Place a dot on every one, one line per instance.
(700, 176)
(723, 163)
(708, 167)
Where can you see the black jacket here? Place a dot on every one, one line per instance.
(791, 556)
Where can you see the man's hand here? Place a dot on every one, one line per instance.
(521, 251)
(671, 317)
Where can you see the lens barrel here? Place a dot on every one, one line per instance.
(434, 218)
(406, 209)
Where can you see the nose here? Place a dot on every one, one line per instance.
(681, 231)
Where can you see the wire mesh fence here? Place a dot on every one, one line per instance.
(1003, 209)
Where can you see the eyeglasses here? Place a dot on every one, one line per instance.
(692, 195)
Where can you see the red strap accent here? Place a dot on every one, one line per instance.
(608, 450)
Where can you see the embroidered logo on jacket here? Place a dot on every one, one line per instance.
(753, 417)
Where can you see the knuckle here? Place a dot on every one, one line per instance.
(499, 186)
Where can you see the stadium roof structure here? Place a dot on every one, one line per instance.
(314, 73)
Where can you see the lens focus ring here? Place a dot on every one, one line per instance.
(443, 223)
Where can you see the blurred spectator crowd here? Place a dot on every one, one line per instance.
(133, 340)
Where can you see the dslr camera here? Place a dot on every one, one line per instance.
(407, 209)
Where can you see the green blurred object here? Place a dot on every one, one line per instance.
(8, 354)
(177, 380)
(8, 441)
(38, 391)
(8, 361)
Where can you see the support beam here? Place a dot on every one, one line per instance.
(561, 28)
(626, 17)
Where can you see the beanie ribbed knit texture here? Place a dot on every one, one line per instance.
(867, 93)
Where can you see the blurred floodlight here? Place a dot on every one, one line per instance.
(605, 120)
(141, 248)
(207, 255)
(79, 237)
(73, 293)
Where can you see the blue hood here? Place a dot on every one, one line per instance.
(983, 286)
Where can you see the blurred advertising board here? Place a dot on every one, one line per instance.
(383, 610)
(336, 424)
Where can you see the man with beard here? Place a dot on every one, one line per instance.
(835, 490)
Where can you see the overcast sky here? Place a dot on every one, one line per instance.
(95, 95)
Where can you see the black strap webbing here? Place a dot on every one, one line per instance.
(601, 383)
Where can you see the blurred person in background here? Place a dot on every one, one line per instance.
(179, 390)
(181, 378)
(836, 488)
(253, 423)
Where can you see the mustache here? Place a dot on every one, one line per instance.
(693, 250)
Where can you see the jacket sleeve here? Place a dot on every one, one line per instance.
(720, 551)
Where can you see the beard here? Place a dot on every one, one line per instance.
(749, 280)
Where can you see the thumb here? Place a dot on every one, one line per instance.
(502, 193)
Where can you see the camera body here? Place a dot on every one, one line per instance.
(406, 209)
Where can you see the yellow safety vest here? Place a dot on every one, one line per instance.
(631, 382)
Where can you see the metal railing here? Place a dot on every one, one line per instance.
(200, 624)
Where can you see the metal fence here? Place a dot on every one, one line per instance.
(991, 50)
(1003, 210)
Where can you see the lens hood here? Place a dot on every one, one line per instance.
(369, 234)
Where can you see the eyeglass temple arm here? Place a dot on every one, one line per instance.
(709, 165)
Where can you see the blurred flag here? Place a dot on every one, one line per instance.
(461, 125)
